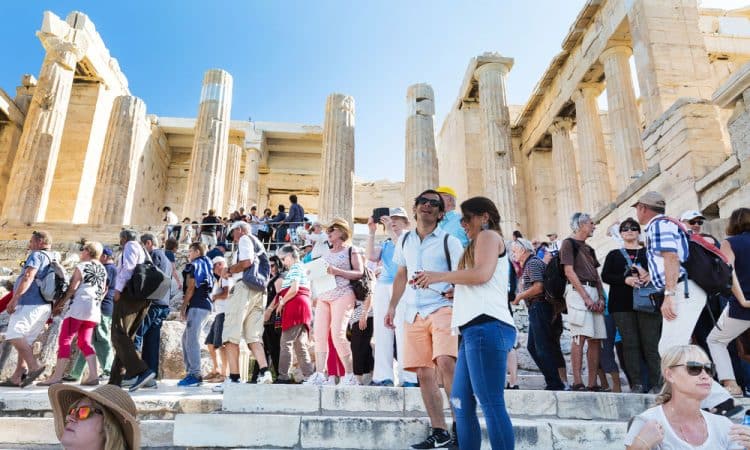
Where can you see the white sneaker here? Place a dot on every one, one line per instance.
(316, 379)
(219, 388)
(266, 378)
(349, 380)
(331, 381)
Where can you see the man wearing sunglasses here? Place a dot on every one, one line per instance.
(430, 349)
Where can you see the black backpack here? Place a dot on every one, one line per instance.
(555, 280)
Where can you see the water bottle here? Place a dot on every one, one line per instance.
(746, 419)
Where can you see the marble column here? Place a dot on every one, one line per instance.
(420, 156)
(497, 149)
(337, 170)
(568, 198)
(251, 177)
(34, 165)
(622, 111)
(127, 134)
(208, 162)
(232, 188)
(592, 160)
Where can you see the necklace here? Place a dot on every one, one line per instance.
(681, 429)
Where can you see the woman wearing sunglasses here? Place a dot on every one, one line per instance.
(677, 421)
(102, 419)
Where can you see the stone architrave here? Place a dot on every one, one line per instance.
(622, 111)
(34, 165)
(232, 189)
(568, 197)
(208, 162)
(251, 178)
(337, 170)
(420, 156)
(127, 135)
(497, 149)
(592, 161)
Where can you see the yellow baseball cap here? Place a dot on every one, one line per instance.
(447, 190)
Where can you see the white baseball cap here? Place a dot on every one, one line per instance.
(690, 215)
(398, 212)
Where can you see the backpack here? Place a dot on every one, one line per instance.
(555, 280)
(55, 281)
(147, 281)
(445, 249)
(257, 275)
(706, 265)
(362, 286)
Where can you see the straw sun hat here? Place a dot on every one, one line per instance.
(111, 397)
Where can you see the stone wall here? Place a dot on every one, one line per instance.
(152, 185)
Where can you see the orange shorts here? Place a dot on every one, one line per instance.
(426, 339)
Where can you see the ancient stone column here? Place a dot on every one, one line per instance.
(232, 188)
(420, 156)
(337, 171)
(34, 165)
(623, 115)
(497, 149)
(566, 176)
(127, 134)
(251, 178)
(592, 160)
(208, 162)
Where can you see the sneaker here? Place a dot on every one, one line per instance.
(219, 388)
(266, 378)
(142, 379)
(331, 381)
(316, 379)
(438, 439)
(384, 383)
(190, 381)
(349, 380)
(151, 385)
(409, 384)
(127, 382)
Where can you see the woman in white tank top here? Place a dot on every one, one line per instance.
(481, 315)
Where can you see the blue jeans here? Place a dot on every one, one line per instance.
(543, 343)
(480, 371)
(148, 339)
(191, 345)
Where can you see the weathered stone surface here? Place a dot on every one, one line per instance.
(249, 398)
(421, 164)
(356, 432)
(236, 430)
(373, 400)
(171, 364)
(337, 169)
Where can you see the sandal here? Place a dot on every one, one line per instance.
(49, 382)
(8, 383)
(595, 389)
(578, 387)
(94, 382)
(33, 375)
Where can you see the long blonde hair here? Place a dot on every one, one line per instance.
(676, 355)
(476, 206)
(114, 438)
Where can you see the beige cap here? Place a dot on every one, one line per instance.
(651, 198)
(398, 212)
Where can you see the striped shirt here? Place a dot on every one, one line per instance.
(664, 236)
(296, 273)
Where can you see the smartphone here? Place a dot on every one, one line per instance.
(377, 213)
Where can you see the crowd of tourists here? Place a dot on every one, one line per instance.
(431, 306)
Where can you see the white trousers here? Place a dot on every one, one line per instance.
(678, 332)
(384, 337)
(719, 339)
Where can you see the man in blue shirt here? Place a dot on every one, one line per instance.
(451, 222)
(28, 310)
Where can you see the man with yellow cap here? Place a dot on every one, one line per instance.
(451, 222)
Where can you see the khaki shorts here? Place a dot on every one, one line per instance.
(243, 317)
(581, 321)
(426, 339)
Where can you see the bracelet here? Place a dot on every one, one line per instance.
(644, 442)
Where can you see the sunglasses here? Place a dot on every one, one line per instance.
(694, 368)
(624, 229)
(432, 202)
(696, 222)
(83, 412)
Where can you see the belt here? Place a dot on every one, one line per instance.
(589, 283)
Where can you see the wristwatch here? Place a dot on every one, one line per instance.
(668, 293)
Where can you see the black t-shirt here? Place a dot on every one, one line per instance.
(615, 271)
(209, 229)
(109, 298)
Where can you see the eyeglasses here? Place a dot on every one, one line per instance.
(624, 229)
(432, 202)
(696, 222)
(694, 368)
(83, 412)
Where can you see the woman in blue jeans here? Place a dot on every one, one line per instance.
(482, 316)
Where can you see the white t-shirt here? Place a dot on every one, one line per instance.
(220, 305)
(87, 300)
(319, 242)
(171, 218)
(718, 432)
(245, 250)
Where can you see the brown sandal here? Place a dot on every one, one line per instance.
(49, 382)
(94, 382)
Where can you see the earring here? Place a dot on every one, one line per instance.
(485, 226)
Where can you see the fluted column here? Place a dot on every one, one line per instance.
(232, 187)
(566, 176)
(622, 111)
(34, 165)
(251, 177)
(420, 156)
(208, 162)
(337, 171)
(497, 150)
(127, 134)
(592, 160)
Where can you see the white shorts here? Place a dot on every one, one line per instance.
(27, 322)
(581, 321)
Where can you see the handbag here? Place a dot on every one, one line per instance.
(646, 298)
(362, 286)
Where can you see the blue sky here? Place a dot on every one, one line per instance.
(287, 56)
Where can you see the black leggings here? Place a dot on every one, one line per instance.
(362, 359)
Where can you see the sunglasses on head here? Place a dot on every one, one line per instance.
(83, 412)
(631, 228)
(696, 222)
(330, 229)
(432, 202)
(694, 368)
